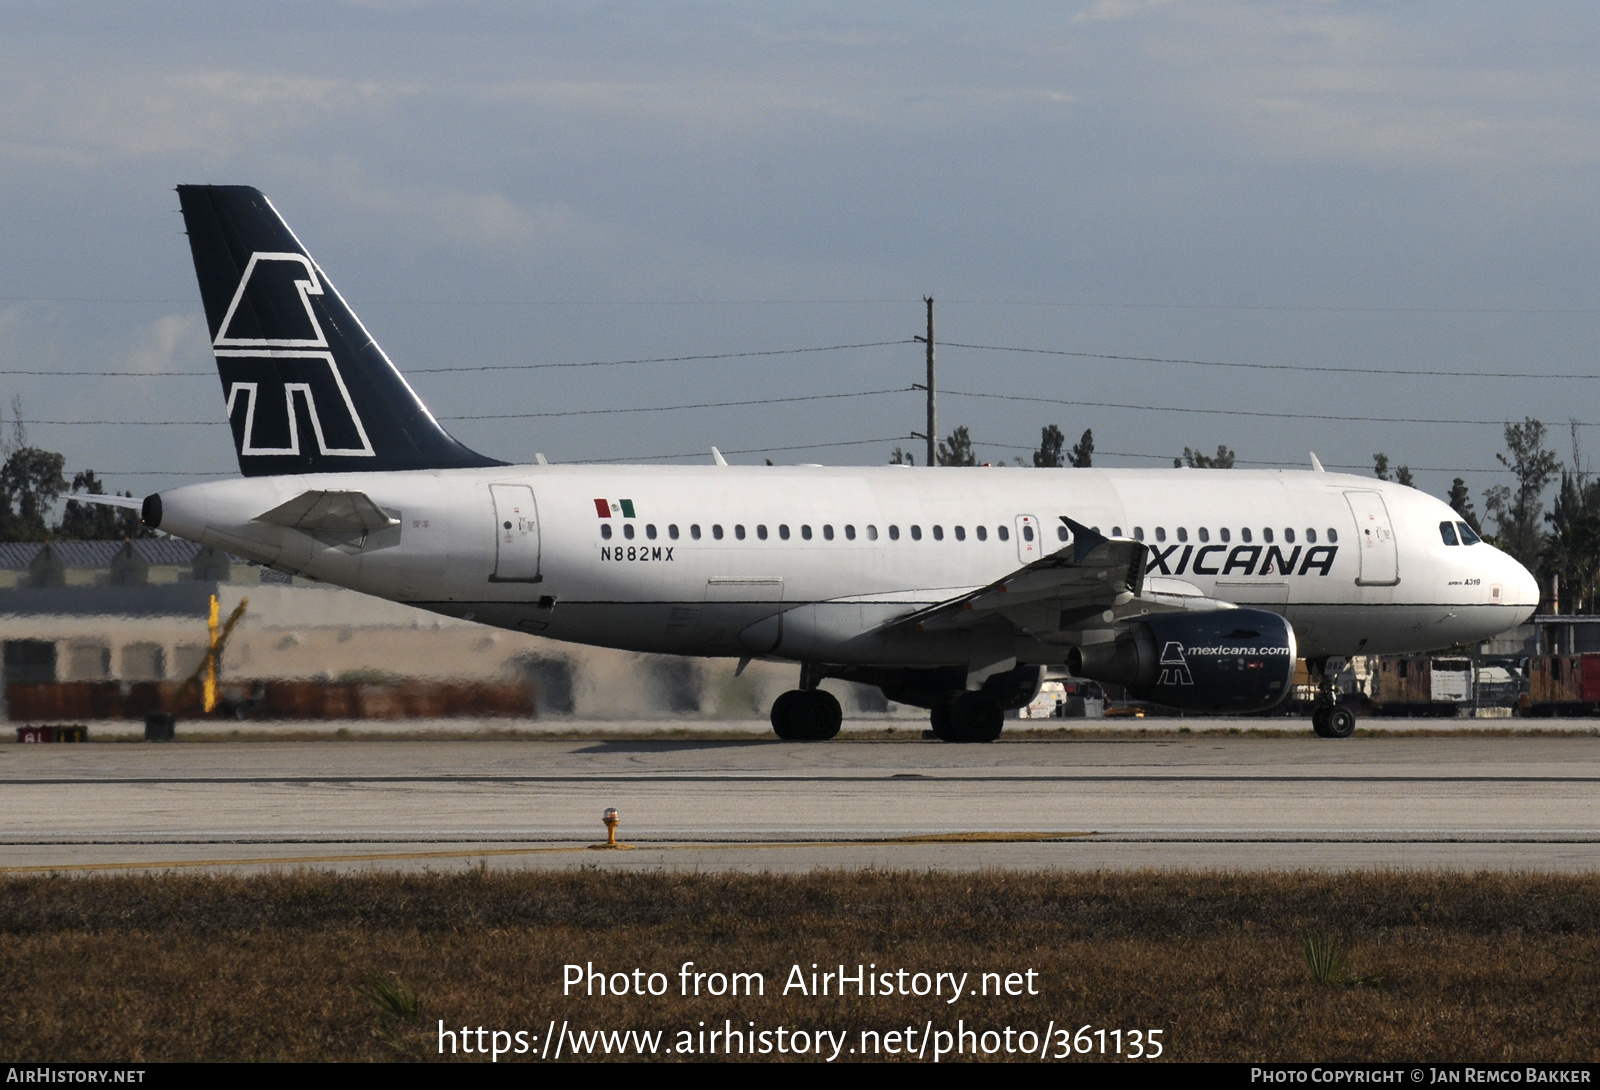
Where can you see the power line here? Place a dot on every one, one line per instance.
(1239, 412)
(748, 450)
(509, 416)
(1253, 461)
(1270, 366)
(674, 408)
(488, 367)
(1309, 308)
(660, 359)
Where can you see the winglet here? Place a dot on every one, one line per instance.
(1084, 539)
(716, 456)
(1316, 463)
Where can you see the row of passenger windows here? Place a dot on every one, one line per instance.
(1225, 535)
(1001, 533)
(1448, 532)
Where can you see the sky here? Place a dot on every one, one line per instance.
(1365, 210)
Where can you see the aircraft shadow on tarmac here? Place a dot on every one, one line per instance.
(669, 746)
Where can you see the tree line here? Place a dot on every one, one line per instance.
(1563, 542)
(32, 481)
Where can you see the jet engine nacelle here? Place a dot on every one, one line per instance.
(1229, 661)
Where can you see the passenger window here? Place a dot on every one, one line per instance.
(738, 531)
(916, 533)
(1061, 533)
(1224, 535)
(982, 532)
(1266, 535)
(938, 533)
(761, 531)
(894, 533)
(1002, 533)
(1205, 536)
(672, 531)
(1116, 531)
(1288, 535)
(1244, 535)
(1027, 533)
(1138, 533)
(850, 533)
(872, 533)
(716, 531)
(627, 530)
(1467, 536)
(605, 530)
(1183, 533)
(1447, 531)
(805, 532)
(827, 532)
(1161, 534)
(1311, 536)
(694, 531)
(783, 531)
(961, 533)
(650, 531)
(1333, 536)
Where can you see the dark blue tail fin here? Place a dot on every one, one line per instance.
(307, 388)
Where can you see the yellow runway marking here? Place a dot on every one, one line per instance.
(370, 857)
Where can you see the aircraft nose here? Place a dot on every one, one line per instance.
(1522, 589)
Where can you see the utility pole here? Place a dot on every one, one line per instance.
(932, 434)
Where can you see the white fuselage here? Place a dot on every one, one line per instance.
(1356, 565)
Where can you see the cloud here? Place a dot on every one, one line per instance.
(1106, 11)
(1316, 82)
(173, 342)
(121, 113)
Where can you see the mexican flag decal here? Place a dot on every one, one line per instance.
(604, 508)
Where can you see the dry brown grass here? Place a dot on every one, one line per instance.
(185, 967)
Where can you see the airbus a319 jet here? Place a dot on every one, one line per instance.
(951, 589)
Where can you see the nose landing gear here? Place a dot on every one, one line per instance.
(1328, 719)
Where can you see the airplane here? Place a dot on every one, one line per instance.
(950, 589)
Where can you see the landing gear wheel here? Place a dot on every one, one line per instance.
(1319, 722)
(784, 721)
(1341, 723)
(968, 717)
(806, 716)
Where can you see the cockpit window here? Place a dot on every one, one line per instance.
(1447, 531)
(1467, 536)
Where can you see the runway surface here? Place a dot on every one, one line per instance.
(1468, 802)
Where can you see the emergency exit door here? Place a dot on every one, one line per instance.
(1030, 546)
(516, 554)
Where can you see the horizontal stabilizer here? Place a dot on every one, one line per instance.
(330, 512)
(108, 501)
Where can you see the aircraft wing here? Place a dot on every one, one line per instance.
(326, 511)
(1090, 583)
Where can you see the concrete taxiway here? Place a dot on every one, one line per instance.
(1173, 800)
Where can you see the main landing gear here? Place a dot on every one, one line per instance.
(967, 717)
(1328, 719)
(806, 715)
